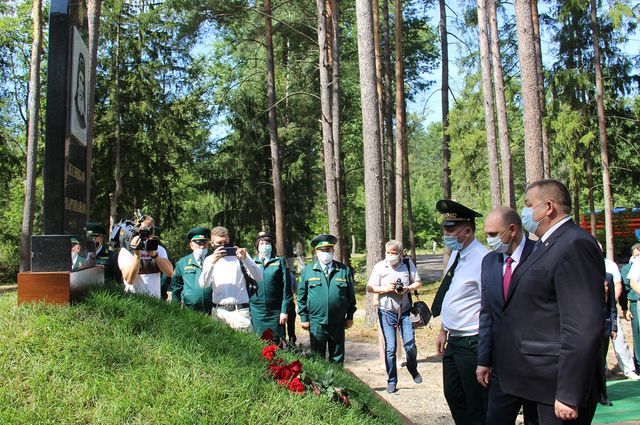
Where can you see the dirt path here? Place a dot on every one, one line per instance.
(422, 404)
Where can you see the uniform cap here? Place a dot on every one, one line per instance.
(454, 213)
(323, 240)
(199, 234)
(74, 241)
(95, 229)
(262, 235)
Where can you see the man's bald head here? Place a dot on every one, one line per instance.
(555, 191)
(506, 216)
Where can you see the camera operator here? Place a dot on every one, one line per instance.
(224, 271)
(393, 278)
(141, 268)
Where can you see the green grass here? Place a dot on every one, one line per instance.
(130, 359)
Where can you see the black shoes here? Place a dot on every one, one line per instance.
(605, 402)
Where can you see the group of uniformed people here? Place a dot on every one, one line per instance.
(214, 279)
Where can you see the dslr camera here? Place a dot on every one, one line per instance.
(398, 286)
(146, 240)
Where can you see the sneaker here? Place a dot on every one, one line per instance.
(417, 378)
(632, 375)
(391, 388)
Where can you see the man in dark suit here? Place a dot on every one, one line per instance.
(510, 248)
(548, 349)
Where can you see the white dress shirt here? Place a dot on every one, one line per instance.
(461, 305)
(227, 280)
(553, 228)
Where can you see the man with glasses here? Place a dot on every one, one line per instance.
(184, 284)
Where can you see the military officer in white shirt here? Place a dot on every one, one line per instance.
(225, 271)
(458, 303)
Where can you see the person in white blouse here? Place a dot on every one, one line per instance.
(224, 271)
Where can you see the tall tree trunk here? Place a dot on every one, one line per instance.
(114, 197)
(532, 116)
(388, 122)
(602, 126)
(334, 16)
(489, 112)
(32, 139)
(327, 130)
(407, 188)
(592, 208)
(371, 139)
(400, 123)
(501, 107)
(93, 17)
(281, 241)
(446, 153)
(379, 90)
(576, 198)
(546, 152)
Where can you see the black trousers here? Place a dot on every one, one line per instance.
(467, 400)
(503, 408)
(548, 416)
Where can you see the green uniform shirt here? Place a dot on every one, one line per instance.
(631, 294)
(326, 300)
(185, 288)
(273, 296)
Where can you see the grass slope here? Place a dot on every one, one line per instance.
(129, 359)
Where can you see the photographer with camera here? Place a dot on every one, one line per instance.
(232, 274)
(142, 260)
(393, 279)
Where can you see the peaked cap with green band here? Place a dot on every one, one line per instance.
(74, 241)
(323, 240)
(95, 229)
(454, 213)
(199, 234)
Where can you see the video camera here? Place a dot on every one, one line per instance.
(123, 232)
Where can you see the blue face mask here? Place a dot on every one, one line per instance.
(496, 244)
(527, 219)
(265, 249)
(325, 257)
(452, 242)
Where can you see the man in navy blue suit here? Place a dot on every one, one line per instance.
(548, 348)
(510, 248)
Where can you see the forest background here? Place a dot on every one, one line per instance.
(182, 126)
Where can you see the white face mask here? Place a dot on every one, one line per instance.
(325, 257)
(200, 253)
(527, 219)
(392, 259)
(265, 249)
(496, 244)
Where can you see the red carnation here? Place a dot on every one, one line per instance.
(269, 352)
(283, 382)
(296, 367)
(296, 386)
(267, 335)
(282, 372)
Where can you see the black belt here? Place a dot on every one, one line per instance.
(231, 307)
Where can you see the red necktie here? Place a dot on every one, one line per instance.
(506, 279)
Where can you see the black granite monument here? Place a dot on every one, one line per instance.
(65, 209)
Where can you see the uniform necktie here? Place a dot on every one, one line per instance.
(506, 279)
(436, 307)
